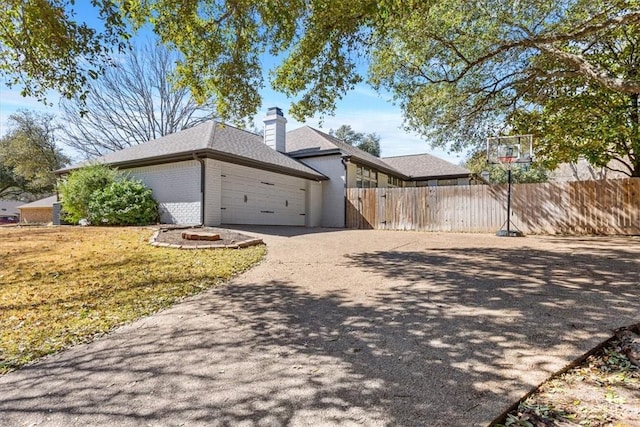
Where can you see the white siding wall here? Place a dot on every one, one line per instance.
(176, 188)
(314, 203)
(333, 194)
(213, 189)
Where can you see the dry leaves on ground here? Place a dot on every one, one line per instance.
(603, 391)
(62, 286)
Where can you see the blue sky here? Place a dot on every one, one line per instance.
(364, 109)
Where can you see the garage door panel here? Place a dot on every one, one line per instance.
(252, 175)
(250, 196)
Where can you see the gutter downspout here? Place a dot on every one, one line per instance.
(202, 187)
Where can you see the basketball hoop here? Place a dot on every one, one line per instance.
(508, 154)
(507, 159)
(507, 150)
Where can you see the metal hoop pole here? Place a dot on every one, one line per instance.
(509, 202)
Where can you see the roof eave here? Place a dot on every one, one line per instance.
(388, 171)
(219, 155)
(346, 155)
(301, 154)
(147, 161)
(211, 154)
(448, 176)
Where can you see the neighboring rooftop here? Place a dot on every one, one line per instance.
(9, 207)
(307, 141)
(209, 139)
(583, 171)
(47, 202)
(426, 166)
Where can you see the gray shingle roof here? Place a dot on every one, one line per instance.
(9, 207)
(426, 166)
(47, 202)
(210, 139)
(306, 140)
(583, 171)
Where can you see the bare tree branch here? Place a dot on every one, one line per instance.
(134, 102)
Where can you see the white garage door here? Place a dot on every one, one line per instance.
(251, 196)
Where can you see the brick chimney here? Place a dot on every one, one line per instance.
(275, 129)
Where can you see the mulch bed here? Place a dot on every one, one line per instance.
(172, 237)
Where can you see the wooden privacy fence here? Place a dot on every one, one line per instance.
(584, 207)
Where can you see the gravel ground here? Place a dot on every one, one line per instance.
(348, 327)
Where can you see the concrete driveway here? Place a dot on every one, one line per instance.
(348, 328)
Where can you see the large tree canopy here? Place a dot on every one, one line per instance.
(573, 118)
(44, 45)
(461, 68)
(458, 69)
(485, 45)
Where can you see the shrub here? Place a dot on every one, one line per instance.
(124, 202)
(77, 189)
(103, 195)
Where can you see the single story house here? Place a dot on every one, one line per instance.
(39, 211)
(215, 174)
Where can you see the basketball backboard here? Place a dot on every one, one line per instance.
(510, 149)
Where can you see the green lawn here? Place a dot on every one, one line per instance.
(62, 286)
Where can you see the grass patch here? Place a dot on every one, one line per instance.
(63, 286)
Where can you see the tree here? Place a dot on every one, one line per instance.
(133, 102)
(29, 154)
(46, 46)
(520, 173)
(458, 69)
(346, 134)
(567, 72)
(574, 119)
(456, 78)
(423, 42)
(11, 186)
(369, 142)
